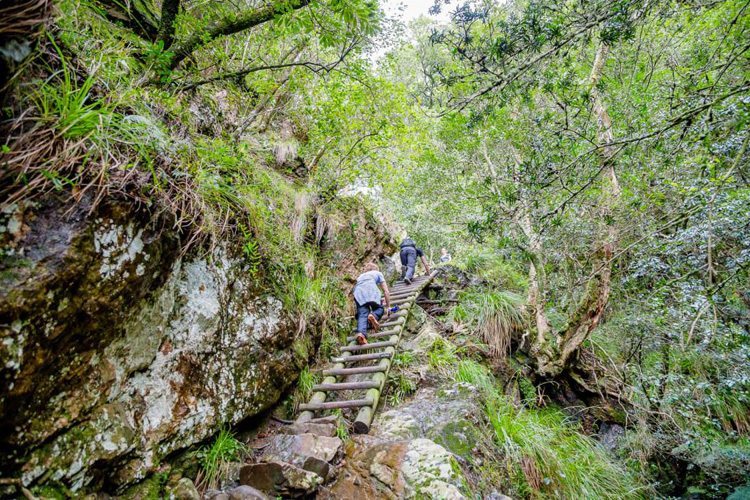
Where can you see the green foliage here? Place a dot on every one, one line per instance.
(214, 459)
(70, 109)
(342, 432)
(403, 359)
(442, 355)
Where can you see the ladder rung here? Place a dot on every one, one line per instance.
(362, 357)
(332, 405)
(392, 322)
(346, 386)
(379, 335)
(373, 345)
(401, 301)
(341, 372)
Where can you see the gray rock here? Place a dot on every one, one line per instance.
(279, 478)
(497, 496)
(185, 490)
(296, 449)
(431, 471)
(319, 429)
(451, 427)
(610, 435)
(245, 492)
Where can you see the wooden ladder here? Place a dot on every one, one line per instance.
(381, 348)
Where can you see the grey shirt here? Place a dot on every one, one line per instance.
(367, 290)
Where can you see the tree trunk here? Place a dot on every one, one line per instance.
(589, 311)
(169, 11)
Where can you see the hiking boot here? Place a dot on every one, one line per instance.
(373, 322)
(407, 281)
(361, 339)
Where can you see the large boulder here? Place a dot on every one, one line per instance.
(453, 427)
(119, 346)
(310, 452)
(280, 478)
(419, 468)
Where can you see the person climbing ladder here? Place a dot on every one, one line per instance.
(367, 298)
(409, 254)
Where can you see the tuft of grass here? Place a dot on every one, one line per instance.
(495, 315)
(442, 355)
(305, 383)
(476, 374)
(310, 298)
(342, 432)
(546, 455)
(400, 388)
(215, 458)
(403, 359)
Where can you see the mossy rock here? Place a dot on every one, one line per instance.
(459, 437)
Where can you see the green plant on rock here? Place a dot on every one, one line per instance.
(215, 459)
(251, 251)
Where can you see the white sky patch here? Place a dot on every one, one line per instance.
(412, 9)
(406, 11)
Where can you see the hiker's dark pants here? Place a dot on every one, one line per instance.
(362, 312)
(408, 262)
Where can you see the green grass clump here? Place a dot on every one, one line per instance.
(215, 458)
(400, 387)
(495, 314)
(506, 273)
(302, 393)
(542, 452)
(476, 374)
(442, 355)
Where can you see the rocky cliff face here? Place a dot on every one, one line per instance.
(118, 348)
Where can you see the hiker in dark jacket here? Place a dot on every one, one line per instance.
(409, 254)
(368, 300)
